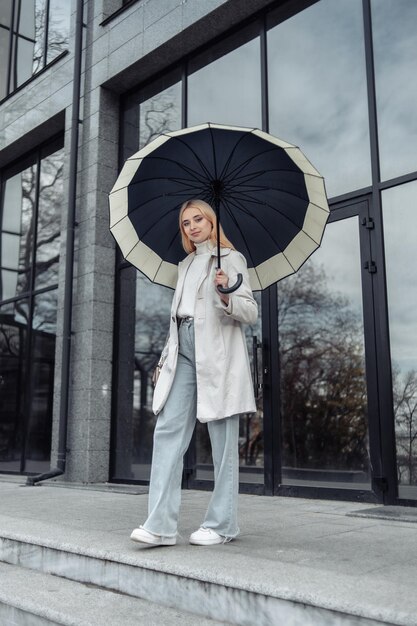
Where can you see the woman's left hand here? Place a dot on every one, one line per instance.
(221, 279)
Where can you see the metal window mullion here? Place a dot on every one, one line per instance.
(45, 43)
(26, 294)
(184, 95)
(380, 295)
(16, 44)
(264, 75)
(371, 92)
(31, 298)
(11, 40)
(35, 223)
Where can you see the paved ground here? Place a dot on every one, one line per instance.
(315, 552)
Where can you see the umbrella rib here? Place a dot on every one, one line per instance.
(279, 247)
(199, 161)
(272, 237)
(213, 150)
(233, 218)
(238, 180)
(187, 169)
(253, 216)
(270, 207)
(242, 166)
(232, 152)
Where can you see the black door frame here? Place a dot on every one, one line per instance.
(378, 367)
(378, 377)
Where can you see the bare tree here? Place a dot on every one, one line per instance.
(405, 412)
(323, 391)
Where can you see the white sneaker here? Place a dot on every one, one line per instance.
(144, 536)
(206, 537)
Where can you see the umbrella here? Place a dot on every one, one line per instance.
(270, 199)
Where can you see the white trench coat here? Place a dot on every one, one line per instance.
(224, 382)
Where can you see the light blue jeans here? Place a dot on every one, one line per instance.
(172, 436)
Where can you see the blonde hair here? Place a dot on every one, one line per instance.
(209, 214)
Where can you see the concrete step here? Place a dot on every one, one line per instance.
(32, 598)
(296, 563)
(162, 576)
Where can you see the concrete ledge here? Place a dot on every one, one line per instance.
(202, 597)
(297, 562)
(30, 598)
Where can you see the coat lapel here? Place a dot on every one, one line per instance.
(182, 272)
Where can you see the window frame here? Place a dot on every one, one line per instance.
(14, 38)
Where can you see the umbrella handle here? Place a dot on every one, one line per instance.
(233, 287)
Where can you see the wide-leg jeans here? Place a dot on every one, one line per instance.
(172, 436)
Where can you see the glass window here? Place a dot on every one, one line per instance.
(159, 114)
(17, 232)
(40, 23)
(13, 380)
(4, 53)
(5, 21)
(143, 306)
(6, 12)
(24, 55)
(154, 110)
(322, 362)
(30, 217)
(395, 49)
(40, 33)
(228, 89)
(143, 327)
(48, 222)
(58, 28)
(251, 425)
(38, 443)
(27, 17)
(400, 228)
(317, 91)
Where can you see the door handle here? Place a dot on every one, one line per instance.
(257, 386)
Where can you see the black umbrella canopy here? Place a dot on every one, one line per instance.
(271, 200)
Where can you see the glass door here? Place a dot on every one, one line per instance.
(329, 429)
(198, 472)
(317, 428)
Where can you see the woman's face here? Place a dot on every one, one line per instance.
(196, 226)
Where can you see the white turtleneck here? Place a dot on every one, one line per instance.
(195, 269)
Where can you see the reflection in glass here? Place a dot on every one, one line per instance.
(25, 43)
(251, 442)
(29, 212)
(48, 223)
(30, 50)
(322, 362)
(160, 114)
(58, 28)
(400, 228)
(40, 23)
(41, 390)
(4, 53)
(143, 327)
(13, 377)
(17, 233)
(394, 21)
(155, 109)
(228, 90)
(6, 12)
(317, 90)
(25, 50)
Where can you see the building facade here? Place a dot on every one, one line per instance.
(83, 85)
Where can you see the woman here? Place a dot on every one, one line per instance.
(205, 374)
